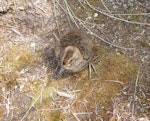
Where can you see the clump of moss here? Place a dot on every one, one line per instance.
(8, 80)
(16, 61)
(23, 60)
(93, 1)
(1, 113)
(1, 78)
(117, 67)
(144, 44)
(114, 71)
(56, 116)
(46, 93)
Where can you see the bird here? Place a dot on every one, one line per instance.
(75, 52)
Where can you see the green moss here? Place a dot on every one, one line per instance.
(114, 71)
(23, 60)
(136, 18)
(1, 113)
(57, 116)
(117, 67)
(144, 44)
(46, 94)
(93, 1)
(8, 80)
(110, 68)
(1, 78)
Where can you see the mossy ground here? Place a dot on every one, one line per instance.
(114, 71)
(28, 93)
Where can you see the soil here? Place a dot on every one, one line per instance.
(120, 32)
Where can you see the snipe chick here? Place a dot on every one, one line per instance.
(75, 52)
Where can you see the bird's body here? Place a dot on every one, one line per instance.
(76, 51)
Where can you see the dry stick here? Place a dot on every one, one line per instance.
(84, 113)
(78, 18)
(105, 6)
(44, 11)
(25, 115)
(62, 108)
(115, 81)
(95, 72)
(56, 16)
(134, 96)
(105, 40)
(81, 21)
(81, 4)
(66, 107)
(75, 16)
(8, 106)
(123, 14)
(75, 116)
(71, 13)
(134, 14)
(91, 67)
(99, 8)
(64, 10)
(1, 49)
(111, 16)
(68, 16)
(56, 37)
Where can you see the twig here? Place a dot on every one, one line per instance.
(25, 115)
(105, 40)
(115, 81)
(76, 17)
(99, 36)
(44, 11)
(133, 14)
(111, 16)
(75, 116)
(56, 16)
(61, 108)
(71, 13)
(134, 95)
(1, 49)
(73, 17)
(84, 113)
(99, 8)
(105, 6)
(81, 4)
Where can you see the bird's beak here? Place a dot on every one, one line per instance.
(59, 73)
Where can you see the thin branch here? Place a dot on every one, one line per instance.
(25, 115)
(113, 17)
(105, 6)
(105, 40)
(135, 90)
(131, 14)
(56, 16)
(94, 34)
(75, 116)
(71, 13)
(81, 4)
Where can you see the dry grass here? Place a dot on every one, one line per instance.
(120, 92)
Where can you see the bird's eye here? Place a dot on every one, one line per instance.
(70, 63)
(71, 60)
